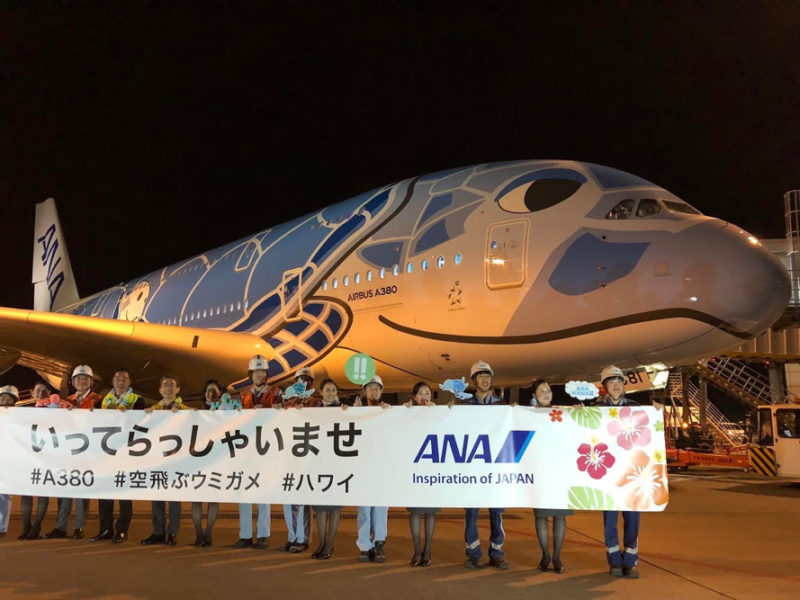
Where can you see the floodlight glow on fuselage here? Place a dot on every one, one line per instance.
(551, 268)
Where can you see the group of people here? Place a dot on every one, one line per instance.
(371, 520)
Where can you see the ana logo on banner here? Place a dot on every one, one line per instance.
(582, 390)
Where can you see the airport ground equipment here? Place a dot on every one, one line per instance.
(775, 440)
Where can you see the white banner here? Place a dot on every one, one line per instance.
(481, 456)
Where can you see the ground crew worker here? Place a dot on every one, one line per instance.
(82, 380)
(372, 520)
(298, 516)
(169, 388)
(9, 396)
(482, 378)
(121, 397)
(259, 395)
(620, 563)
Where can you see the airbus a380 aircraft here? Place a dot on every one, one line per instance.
(540, 267)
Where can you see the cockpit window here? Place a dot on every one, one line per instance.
(680, 207)
(648, 207)
(623, 210)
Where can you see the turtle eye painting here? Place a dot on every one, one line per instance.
(539, 190)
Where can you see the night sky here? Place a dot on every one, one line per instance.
(165, 129)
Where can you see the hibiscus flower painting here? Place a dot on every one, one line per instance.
(644, 482)
(630, 428)
(595, 460)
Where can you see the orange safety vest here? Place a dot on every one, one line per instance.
(91, 400)
(266, 400)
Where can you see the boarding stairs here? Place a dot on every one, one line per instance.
(736, 378)
(726, 433)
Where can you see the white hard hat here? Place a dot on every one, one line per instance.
(10, 390)
(304, 372)
(480, 367)
(611, 371)
(83, 370)
(258, 363)
(375, 379)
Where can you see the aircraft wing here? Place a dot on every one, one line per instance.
(53, 343)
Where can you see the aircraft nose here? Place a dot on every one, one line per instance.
(748, 288)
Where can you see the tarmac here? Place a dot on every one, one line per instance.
(723, 535)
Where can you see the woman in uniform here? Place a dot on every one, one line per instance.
(327, 516)
(202, 538)
(421, 396)
(543, 397)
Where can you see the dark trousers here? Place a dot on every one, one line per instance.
(630, 537)
(65, 507)
(106, 510)
(496, 536)
(26, 506)
(160, 517)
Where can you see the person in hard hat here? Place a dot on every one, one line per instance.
(258, 395)
(9, 396)
(327, 516)
(421, 395)
(543, 398)
(164, 532)
(82, 381)
(121, 397)
(372, 520)
(621, 564)
(482, 377)
(31, 529)
(297, 516)
(211, 393)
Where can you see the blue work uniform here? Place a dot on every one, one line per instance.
(630, 519)
(497, 535)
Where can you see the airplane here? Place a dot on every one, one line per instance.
(540, 267)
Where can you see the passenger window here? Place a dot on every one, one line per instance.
(357, 278)
(396, 270)
(410, 268)
(457, 259)
(382, 273)
(647, 208)
(425, 264)
(440, 262)
(345, 280)
(369, 275)
(623, 210)
(324, 285)
(335, 283)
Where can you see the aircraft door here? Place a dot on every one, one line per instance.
(787, 441)
(291, 295)
(506, 255)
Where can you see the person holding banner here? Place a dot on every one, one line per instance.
(259, 395)
(82, 381)
(621, 564)
(298, 516)
(421, 396)
(372, 520)
(164, 533)
(9, 395)
(121, 397)
(543, 398)
(482, 377)
(327, 516)
(202, 538)
(31, 531)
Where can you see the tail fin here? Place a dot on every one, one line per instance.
(53, 283)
